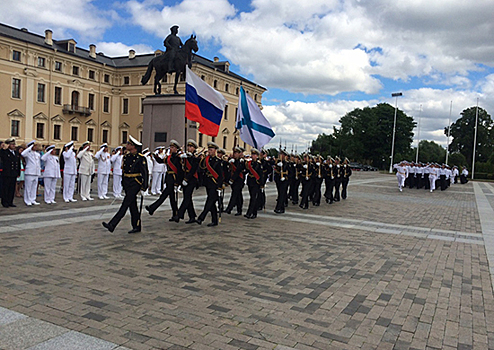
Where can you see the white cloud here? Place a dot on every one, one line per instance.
(63, 17)
(120, 49)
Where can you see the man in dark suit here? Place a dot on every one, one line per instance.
(11, 163)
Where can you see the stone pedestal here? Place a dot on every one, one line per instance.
(164, 120)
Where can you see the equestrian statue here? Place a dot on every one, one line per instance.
(176, 56)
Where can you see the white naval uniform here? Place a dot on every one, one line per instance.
(86, 170)
(116, 161)
(50, 176)
(149, 161)
(455, 174)
(104, 166)
(158, 171)
(433, 175)
(69, 174)
(31, 174)
(401, 175)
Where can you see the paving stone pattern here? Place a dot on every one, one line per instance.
(271, 283)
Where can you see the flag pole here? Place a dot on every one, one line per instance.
(449, 131)
(475, 137)
(418, 136)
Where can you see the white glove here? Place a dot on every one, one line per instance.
(184, 183)
(306, 179)
(183, 155)
(189, 154)
(282, 179)
(318, 163)
(230, 182)
(219, 193)
(305, 166)
(280, 164)
(232, 160)
(242, 160)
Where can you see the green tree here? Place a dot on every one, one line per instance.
(463, 131)
(429, 151)
(365, 135)
(457, 159)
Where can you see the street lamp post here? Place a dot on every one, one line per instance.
(418, 136)
(475, 137)
(396, 95)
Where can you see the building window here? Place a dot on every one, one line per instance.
(213, 139)
(106, 104)
(224, 141)
(75, 70)
(200, 140)
(107, 78)
(40, 130)
(255, 97)
(226, 87)
(16, 56)
(90, 102)
(215, 83)
(126, 80)
(71, 47)
(236, 112)
(90, 134)
(124, 136)
(15, 127)
(142, 105)
(226, 112)
(236, 91)
(58, 66)
(57, 132)
(16, 88)
(203, 77)
(75, 100)
(245, 145)
(41, 92)
(58, 96)
(91, 74)
(41, 62)
(105, 136)
(73, 133)
(140, 136)
(125, 109)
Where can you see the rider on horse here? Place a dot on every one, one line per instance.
(172, 44)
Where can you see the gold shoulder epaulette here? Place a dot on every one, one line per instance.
(142, 155)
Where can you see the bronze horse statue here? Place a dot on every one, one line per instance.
(160, 64)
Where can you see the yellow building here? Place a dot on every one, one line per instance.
(53, 91)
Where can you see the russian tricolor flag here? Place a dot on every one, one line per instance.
(203, 104)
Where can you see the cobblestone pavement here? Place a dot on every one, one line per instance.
(380, 270)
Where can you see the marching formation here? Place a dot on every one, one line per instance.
(429, 176)
(166, 172)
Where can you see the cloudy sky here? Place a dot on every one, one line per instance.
(319, 59)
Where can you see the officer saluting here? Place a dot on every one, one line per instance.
(135, 178)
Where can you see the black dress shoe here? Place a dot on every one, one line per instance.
(247, 216)
(191, 221)
(148, 209)
(301, 206)
(238, 214)
(5, 205)
(109, 227)
(211, 224)
(228, 212)
(199, 221)
(174, 218)
(12, 205)
(135, 230)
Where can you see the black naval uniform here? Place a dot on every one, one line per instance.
(318, 178)
(213, 181)
(255, 179)
(346, 172)
(307, 184)
(11, 163)
(173, 177)
(337, 181)
(293, 175)
(281, 180)
(330, 182)
(237, 181)
(191, 166)
(134, 179)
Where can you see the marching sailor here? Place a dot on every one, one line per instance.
(237, 181)
(104, 166)
(51, 173)
(281, 180)
(345, 177)
(189, 183)
(135, 179)
(254, 182)
(11, 169)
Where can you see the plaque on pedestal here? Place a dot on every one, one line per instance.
(164, 120)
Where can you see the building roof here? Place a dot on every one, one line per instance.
(117, 62)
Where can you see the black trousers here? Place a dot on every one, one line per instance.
(168, 192)
(8, 190)
(442, 179)
(255, 194)
(282, 187)
(307, 187)
(316, 191)
(261, 199)
(337, 184)
(187, 202)
(236, 199)
(411, 181)
(210, 205)
(427, 182)
(294, 186)
(328, 193)
(344, 186)
(129, 202)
